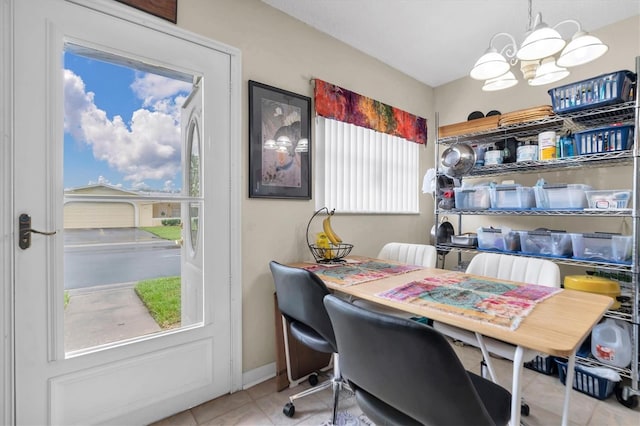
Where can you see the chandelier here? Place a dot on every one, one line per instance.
(536, 54)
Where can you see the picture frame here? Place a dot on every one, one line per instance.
(165, 9)
(279, 143)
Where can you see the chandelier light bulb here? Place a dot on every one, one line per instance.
(502, 82)
(490, 65)
(541, 43)
(583, 48)
(548, 72)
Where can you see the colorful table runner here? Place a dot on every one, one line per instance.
(496, 302)
(347, 274)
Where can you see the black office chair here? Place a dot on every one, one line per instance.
(404, 372)
(300, 300)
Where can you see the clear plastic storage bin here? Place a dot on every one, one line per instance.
(512, 197)
(498, 239)
(608, 199)
(602, 247)
(546, 243)
(561, 196)
(472, 198)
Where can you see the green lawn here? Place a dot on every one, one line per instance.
(166, 232)
(161, 296)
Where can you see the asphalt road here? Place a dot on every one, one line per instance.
(98, 257)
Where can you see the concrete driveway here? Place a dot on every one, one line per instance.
(103, 314)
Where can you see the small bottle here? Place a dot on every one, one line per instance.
(568, 149)
(619, 140)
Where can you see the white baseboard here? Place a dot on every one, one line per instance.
(258, 375)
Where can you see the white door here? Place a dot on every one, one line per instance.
(142, 379)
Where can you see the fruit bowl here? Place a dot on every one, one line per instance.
(328, 247)
(332, 254)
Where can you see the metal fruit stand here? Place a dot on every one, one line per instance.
(330, 252)
(627, 112)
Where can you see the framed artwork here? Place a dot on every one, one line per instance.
(166, 9)
(279, 143)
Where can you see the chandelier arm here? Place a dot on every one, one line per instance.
(569, 21)
(509, 50)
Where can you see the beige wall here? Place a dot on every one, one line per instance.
(280, 51)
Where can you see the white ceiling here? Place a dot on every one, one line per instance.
(438, 41)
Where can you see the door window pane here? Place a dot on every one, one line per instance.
(124, 199)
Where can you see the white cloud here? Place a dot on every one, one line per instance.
(169, 186)
(104, 181)
(160, 92)
(147, 148)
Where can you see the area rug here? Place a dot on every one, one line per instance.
(496, 302)
(345, 418)
(355, 273)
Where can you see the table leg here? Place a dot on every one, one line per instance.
(486, 358)
(516, 394)
(571, 363)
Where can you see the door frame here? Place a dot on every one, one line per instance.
(7, 413)
(8, 223)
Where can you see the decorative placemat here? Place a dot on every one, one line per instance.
(347, 274)
(496, 302)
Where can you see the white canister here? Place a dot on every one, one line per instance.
(546, 145)
(527, 152)
(493, 157)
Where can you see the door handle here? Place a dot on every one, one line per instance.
(25, 231)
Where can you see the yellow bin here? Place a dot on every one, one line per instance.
(592, 284)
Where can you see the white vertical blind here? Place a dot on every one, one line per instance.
(359, 170)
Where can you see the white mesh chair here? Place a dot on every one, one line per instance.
(514, 268)
(411, 254)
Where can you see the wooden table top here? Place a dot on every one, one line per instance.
(556, 326)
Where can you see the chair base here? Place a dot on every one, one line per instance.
(337, 383)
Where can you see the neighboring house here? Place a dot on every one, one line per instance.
(106, 206)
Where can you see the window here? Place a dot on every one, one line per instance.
(360, 170)
(367, 154)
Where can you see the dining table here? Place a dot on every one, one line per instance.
(546, 320)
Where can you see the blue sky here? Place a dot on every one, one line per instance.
(122, 126)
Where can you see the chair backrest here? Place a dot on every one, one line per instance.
(300, 293)
(516, 268)
(404, 364)
(413, 254)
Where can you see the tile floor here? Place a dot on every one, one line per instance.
(262, 405)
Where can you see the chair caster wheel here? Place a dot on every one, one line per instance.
(313, 379)
(289, 409)
(524, 409)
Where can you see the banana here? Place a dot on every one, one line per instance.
(333, 237)
(322, 241)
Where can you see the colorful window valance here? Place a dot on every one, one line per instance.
(340, 104)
